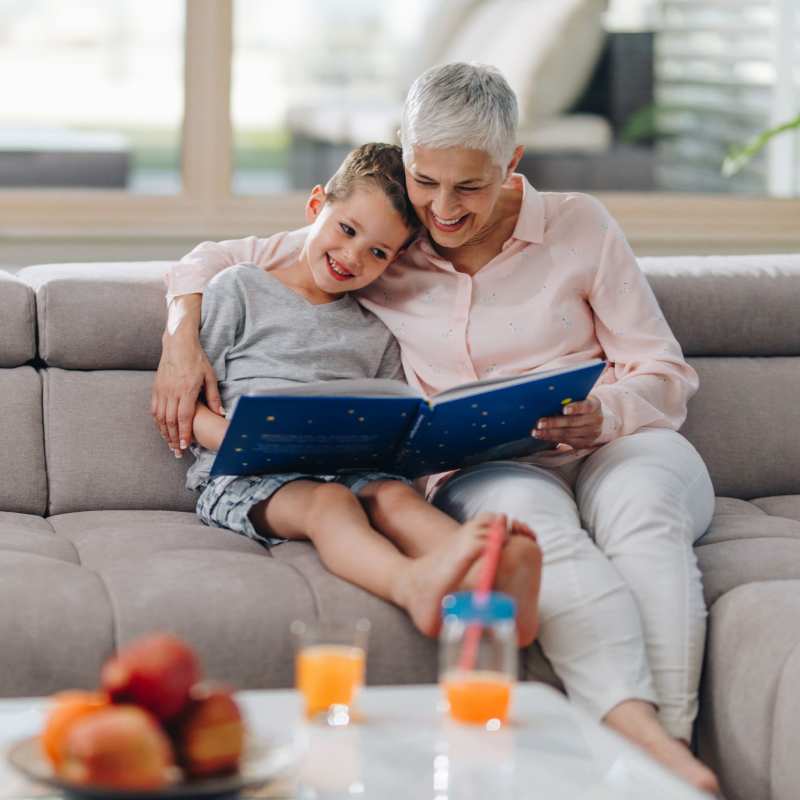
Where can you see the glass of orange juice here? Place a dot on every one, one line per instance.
(478, 656)
(330, 664)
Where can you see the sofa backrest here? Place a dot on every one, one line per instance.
(99, 330)
(23, 484)
(737, 320)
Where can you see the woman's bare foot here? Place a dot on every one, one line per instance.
(637, 721)
(420, 588)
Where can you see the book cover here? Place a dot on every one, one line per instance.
(301, 430)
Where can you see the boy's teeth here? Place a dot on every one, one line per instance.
(336, 269)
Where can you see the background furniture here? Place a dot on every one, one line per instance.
(577, 88)
(99, 542)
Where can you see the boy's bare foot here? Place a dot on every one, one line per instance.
(420, 588)
(519, 575)
(637, 721)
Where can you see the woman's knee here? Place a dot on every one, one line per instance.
(522, 491)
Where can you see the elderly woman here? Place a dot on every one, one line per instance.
(508, 281)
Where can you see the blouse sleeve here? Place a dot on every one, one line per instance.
(648, 382)
(193, 272)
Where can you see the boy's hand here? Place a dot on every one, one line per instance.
(182, 372)
(579, 426)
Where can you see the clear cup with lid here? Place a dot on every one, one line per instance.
(478, 656)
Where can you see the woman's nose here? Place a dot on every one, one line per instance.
(444, 204)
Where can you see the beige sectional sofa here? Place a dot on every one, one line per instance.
(99, 543)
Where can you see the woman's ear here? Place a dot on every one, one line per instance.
(314, 203)
(515, 159)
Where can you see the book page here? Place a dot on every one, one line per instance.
(479, 387)
(357, 387)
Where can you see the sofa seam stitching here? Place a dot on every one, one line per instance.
(309, 585)
(111, 604)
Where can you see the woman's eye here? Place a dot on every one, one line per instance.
(468, 188)
(378, 253)
(346, 229)
(423, 183)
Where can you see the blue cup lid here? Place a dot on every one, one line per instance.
(468, 607)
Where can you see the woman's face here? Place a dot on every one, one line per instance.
(454, 191)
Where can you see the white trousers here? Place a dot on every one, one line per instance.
(621, 606)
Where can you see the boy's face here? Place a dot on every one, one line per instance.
(352, 241)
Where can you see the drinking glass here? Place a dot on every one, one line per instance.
(478, 656)
(330, 663)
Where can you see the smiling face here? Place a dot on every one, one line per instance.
(454, 191)
(352, 240)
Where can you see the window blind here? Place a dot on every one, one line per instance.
(726, 70)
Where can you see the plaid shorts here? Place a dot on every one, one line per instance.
(226, 500)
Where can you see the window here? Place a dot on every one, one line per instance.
(211, 114)
(95, 98)
(725, 71)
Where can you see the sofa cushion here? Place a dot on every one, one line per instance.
(103, 450)
(100, 316)
(550, 63)
(743, 423)
(18, 313)
(23, 485)
(222, 592)
(56, 621)
(729, 305)
(749, 721)
(741, 548)
(21, 537)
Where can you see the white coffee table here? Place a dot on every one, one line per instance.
(407, 748)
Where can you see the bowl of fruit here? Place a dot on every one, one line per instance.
(152, 729)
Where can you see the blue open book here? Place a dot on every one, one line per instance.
(340, 426)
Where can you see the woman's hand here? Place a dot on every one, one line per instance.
(579, 426)
(182, 372)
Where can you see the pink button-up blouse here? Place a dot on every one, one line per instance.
(564, 289)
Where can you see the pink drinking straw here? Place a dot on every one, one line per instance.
(491, 556)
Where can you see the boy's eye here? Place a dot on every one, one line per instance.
(346, 229)
(378, 253)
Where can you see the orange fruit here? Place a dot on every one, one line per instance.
(68, 707)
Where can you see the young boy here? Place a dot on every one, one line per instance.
(291, 319)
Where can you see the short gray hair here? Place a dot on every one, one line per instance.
(461, 105)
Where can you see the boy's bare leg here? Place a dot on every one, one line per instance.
(331, 516)
(418, 528)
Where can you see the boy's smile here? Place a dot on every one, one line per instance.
(350, 244)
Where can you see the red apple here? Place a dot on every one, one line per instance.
(209, 735)
(120, 747)
(155, 672)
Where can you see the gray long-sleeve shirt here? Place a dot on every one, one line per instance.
(259, 334)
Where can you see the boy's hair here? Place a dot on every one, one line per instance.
(380, 165)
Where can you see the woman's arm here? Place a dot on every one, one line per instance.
(649, 382)
(209, 428)
(184, 369)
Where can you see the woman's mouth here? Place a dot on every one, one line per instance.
(448, 225)
(337, 270)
